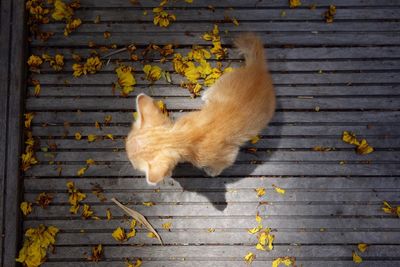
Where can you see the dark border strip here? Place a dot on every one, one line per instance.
(12, 90)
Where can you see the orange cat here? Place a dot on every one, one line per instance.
(237, 107)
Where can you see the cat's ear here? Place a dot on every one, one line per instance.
(156, 173)
(148, 113)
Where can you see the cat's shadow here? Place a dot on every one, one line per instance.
(215, 188)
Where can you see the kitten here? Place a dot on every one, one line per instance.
(237, 107)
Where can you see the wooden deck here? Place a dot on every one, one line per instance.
(329, 78)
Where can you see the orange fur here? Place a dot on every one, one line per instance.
(237, 107)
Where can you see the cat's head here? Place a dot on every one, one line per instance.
(147, 143)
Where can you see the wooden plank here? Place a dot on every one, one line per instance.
(228, 252)
(268, 168)
(179, 262)
(226, 222)
(274, 66)
(237, 195)
(259, 26)
(234, 196)
(289, 209)
(284, 130)
(89, 117)
(118, 144)
(236, 3)
(278, 78)
(166, 90)
(58, 184)
(248, 14)
(283, 53)
(297, 39)
(283, 103)
(270, 156)
(233, 237)
(5, 35)
(14, 23)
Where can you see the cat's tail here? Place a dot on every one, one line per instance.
(252, 48)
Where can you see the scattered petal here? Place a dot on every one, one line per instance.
(249, 258)
(356, 257)
(167, 226)
(26, 208)
(260, 191)
(278, 189)
(119, 234)
(44, 200)
(362, 247)
(97, 253)
(287, 261)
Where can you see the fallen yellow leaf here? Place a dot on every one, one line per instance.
(119, 234)
(260, 191)
(362, 247)
(356, 257)
(249, 258)
(26, 208)
(279, 190)
(148, 204)
(36, 243)
(167, 226)
(97, 253)
(287, 261)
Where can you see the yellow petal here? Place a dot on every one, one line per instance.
(364, 148)
(151, 235)
(287, 261)
(78, 136)
(294, 3)
(110, 136)
(90, 162)
(255, 139)
(249, 257)
(350, 138)
(278, 189)
(108, 214)
(119, 234)
(81, 171)
(138, 263)
(91, 137)
(148, 204)
(260, 191)
(260, 247)
(26, 208)
(356, 257)
(131, 234)
(362, 247)
(167, 225)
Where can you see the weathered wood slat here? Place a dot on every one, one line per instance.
(259, 26)
(271, 156)
(235, 237)
(248, 14)
(240, 195)
(288, 53)
(274, 66)
(89, 117)
(267, 168)
(269, 143)
(283, 103)
(180, 262)
(227, 222)
(122, 39)
(236, 3)
(291, 209)
(162, 91)
(278, 78)
(272, 130)
(58, 184)
(228, 252)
